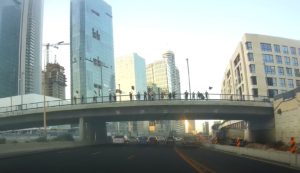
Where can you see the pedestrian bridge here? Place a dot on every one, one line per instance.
(135, 111)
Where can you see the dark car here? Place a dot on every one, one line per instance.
(170, 140)
(190, 141)
(152, 140)
(142, 140)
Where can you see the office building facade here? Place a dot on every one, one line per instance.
(131, 75)
(92, 52)
(20, 47)
(163, 78)
(262, 66)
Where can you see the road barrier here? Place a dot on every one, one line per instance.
(270, 155)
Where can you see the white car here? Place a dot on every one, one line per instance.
(120, 139)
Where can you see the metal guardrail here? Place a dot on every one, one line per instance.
(135, 98)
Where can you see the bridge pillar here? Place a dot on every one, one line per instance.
(92, 130)
(261, 131)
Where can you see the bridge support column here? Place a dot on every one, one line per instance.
(262, 131)
(92, 130)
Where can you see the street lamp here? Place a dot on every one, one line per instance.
(187, 63)
(120, 91)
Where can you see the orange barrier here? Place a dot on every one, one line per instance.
(292, 148)
(238, 142)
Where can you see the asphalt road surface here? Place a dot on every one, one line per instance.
(139, 159)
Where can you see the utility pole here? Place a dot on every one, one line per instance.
(188, 68)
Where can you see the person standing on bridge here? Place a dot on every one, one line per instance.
(138, 96)
(145, 95)
(130, 96)
(206, 95)
(186, 95)
(110, 96)
(193, 95)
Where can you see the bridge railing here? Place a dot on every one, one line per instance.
(136, 98)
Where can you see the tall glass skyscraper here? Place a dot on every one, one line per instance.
(92, 54)
(20, 47)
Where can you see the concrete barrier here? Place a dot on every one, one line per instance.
(9, 150)
(270, 155)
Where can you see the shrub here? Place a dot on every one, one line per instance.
(64, 137)
(2, 140)
(41, 139)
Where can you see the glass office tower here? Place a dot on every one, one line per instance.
(20, 47)
(92, 55)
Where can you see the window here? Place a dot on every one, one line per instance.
(272, 93)
(277, 48)
(293, 50)
(295, 61)
(250, 57)
(297, 72)
(297, 83)
(290, 83)
(269, 69)
(268, 58)
(282, 82)
(255, 92)
(280, 71)
(287, 60)
(249, 45)
(253, 80)
(285, 50)
(237, 59)
(271, 81)
(289, 71)
(266, 47)
(298, 51)
(278, 59)
(252, 68)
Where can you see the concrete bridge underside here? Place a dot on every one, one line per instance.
(92, 117)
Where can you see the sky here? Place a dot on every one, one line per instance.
(204, 31)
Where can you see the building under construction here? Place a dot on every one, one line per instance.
(54, 79)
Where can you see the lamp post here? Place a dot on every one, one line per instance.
(187, 63)
(119, 91)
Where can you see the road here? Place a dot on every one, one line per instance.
(140, 159)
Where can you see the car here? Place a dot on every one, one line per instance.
(120, 139)
(152, 140)
(142, 140)
(161, 140)
(190, 141)
(132, 140)
(170, 140)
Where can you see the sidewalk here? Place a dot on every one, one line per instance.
(17, 149)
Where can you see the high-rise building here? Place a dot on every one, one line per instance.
(162, 79)
(262, 66)
(131, 77)
(92, 51)
(191, 126)
(20, 47)
(206, 128)
(54, 80)
(164, 75)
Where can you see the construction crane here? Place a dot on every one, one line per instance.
(55, 45)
